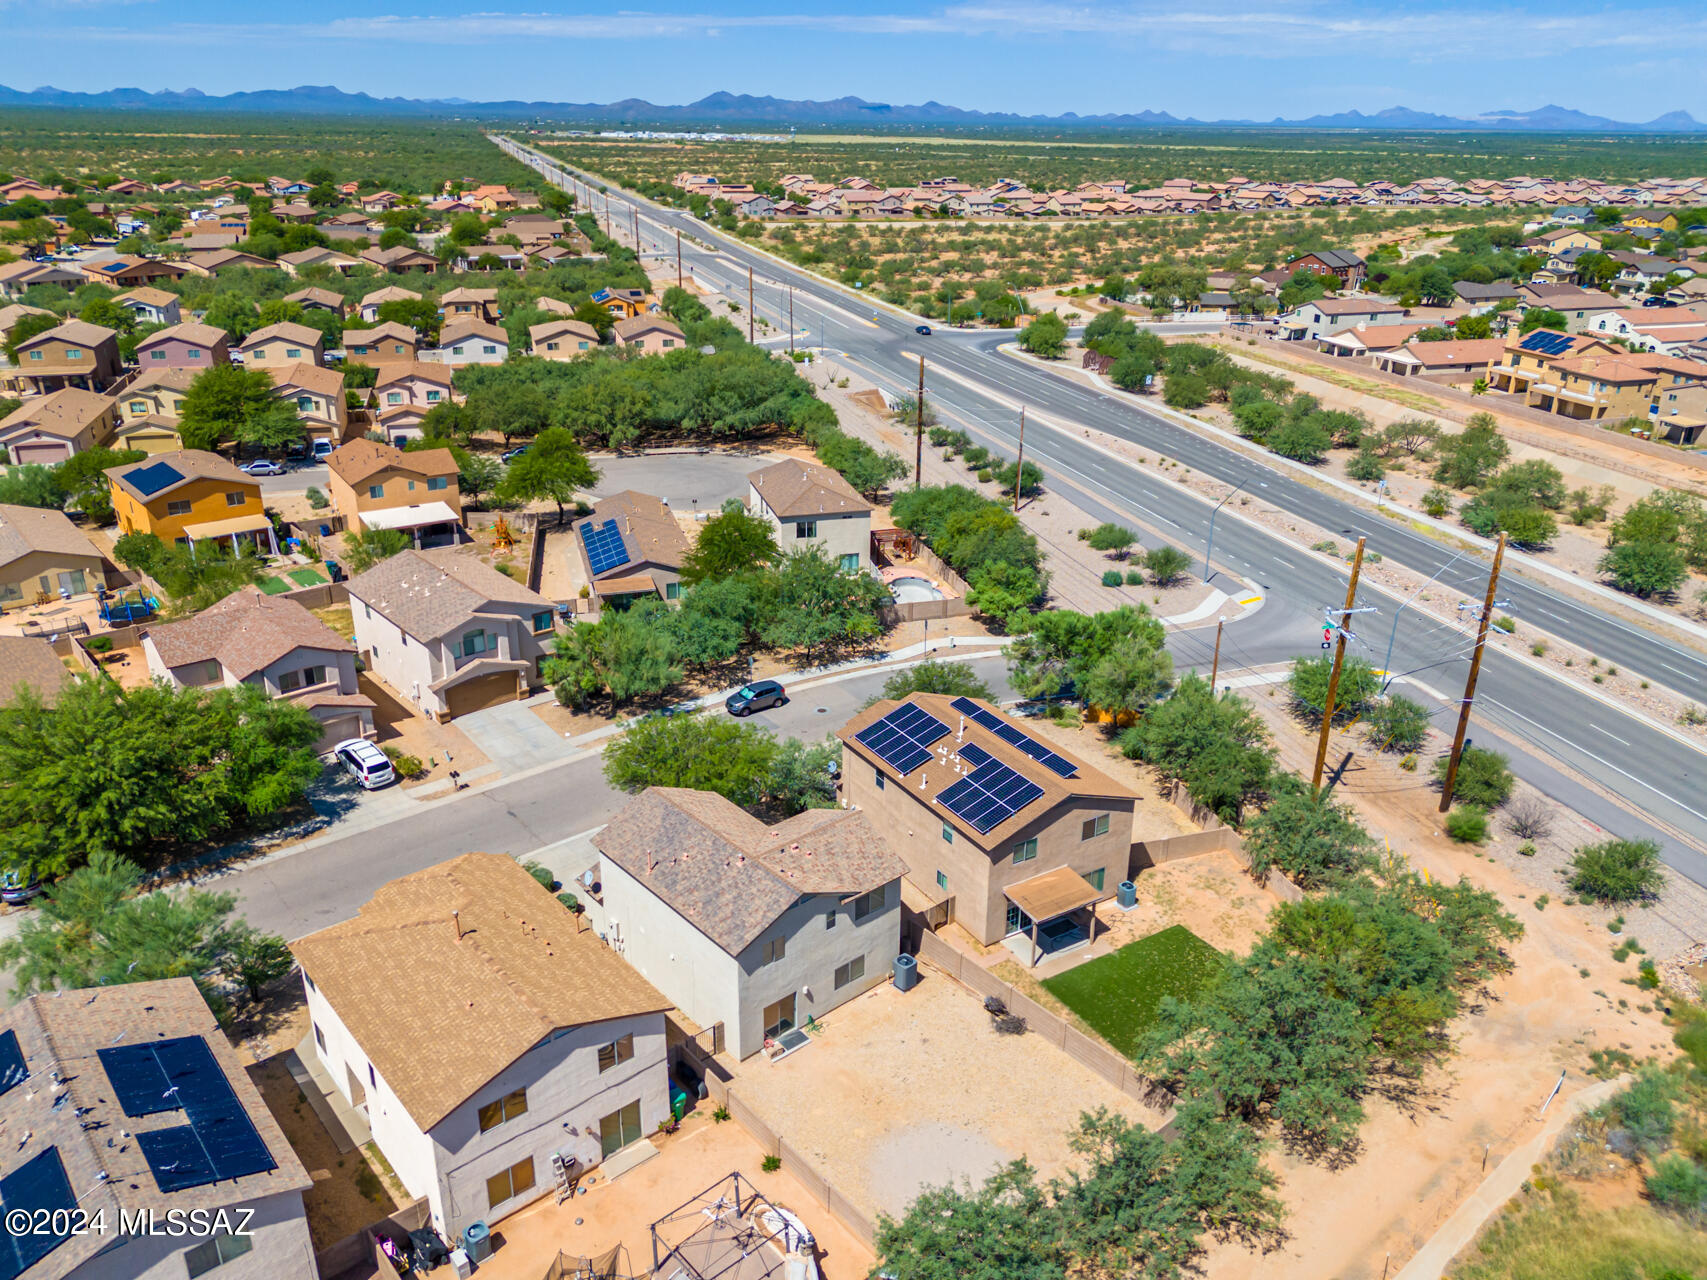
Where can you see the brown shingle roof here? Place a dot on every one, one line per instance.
(399, 372)
(648, 528)
(315, 294)
(440, 1015)
(30, 661)
(244, 633)
(793, 488)
(27, 529)
(731, 876)
(549, 329)
(286, 331)
(391, 293)
(429, 593)
(1354, 307)
(390, 329)
(63, 413)
(354, 462)
(172, 379)
(310, 377)
(468, 327)
(197, 335)
(191, 464)
(80, 332)
(639, 326)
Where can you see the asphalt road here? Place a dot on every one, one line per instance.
(1655, 775)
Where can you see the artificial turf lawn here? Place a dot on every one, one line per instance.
(306, 577)
(273, 586)
(1118, 994)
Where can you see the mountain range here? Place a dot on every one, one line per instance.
(727, 110)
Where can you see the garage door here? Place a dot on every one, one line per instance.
(337, 728)
(480, 693)
(46, 452)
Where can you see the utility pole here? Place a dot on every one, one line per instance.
(1470, 684)
(749, 306)
(635, 210)
(791, 320)
(679, 258)
(1215, 666)
(1339, 661)
(1019, 465)
(919, 430)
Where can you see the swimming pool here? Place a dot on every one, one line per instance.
(912, 590)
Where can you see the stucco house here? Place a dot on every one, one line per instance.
(51, 428)
(757, 927)
(562, 339)
(281, 345)
(317, 394)
(484, 1036)
(807, 503)
(450, 633)
(314, 298)
(631, 546)
(377, 486)
(270, 642)
(651, 335)
(470, 342)
(368, 308)
(190, 495)
(190, 345)
(42, 554)
(404, 394)
(384, 344)
(1316, 320)
(74, 354)
(150, 305)
(150, 407)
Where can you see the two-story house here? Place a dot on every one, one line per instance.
(51, 428)
(187, 345)
(127, 1103)
(650, 335)
(404, 394)
(270, 642)
(294, 264)
(1347, 267)
(488, 1039)
(73, 354)
(317, 395)
(150, 407)
(43, 556)
(1314, 321)
(562, 339)
(470, 304)
(809, 503)
(278, 346)
(1595, 386)
(757, 927)
(624, 304)
(1526, 358)
(389, 343)
(450, 633)
(631, 546)
(470, 342)
(377, 486)
(151, 306)
(18, 277)
(190, 495)
(314, 298)
(1018, 840)
(126, 272)
(400, 260)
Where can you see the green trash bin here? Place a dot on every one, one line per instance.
(678, 1100)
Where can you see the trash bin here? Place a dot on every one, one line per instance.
(1127, 895)
(906, 972)
(678, 1100)
(478, 1241)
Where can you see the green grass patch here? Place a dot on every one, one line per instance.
(1118, 994)
(272, 586)
(305, 576)
(1551, 1236)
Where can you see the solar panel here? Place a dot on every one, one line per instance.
(605, 547)
(1547, 344)
(150, 480)
(39, 1183)
(219, 1140)
(13, 1072)
(989, 795)
(902, 739)
(1017, 738)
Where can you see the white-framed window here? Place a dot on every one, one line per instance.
(1094, 827)
(236, 498)
(472, 642)
(806, 528)
(1025, 850)
(393, 397)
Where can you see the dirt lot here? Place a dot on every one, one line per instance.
(904, 1090)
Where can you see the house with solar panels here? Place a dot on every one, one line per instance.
(1528, 358)
(629, 548)
(129, 1101)
(756, 927)
(190, 495)
(1011, 838)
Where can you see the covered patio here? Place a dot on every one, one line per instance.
(256, 530)
(430, 524)
(1050, 913)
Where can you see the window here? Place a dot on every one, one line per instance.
(139, 406)
(260, 353)
(393, 397)
(371, 1078)
(806, 528)
(948, 833)
(1095, 878)
(774, 950)
(156, 354)
(194, 353)
(852, 971)
(511, 1182)
(672, 591)
(293, 353)
(508, 1107)
(1025, 850)
(290, 681)
(432, 397)
(216, 1252)
(319, 1037)
(437, 482)
(1094, 827)
(551, 346)
(850, 562)
(177, 508)
(411, 486)
(869, 903)
(942, 881)
(489, 349)
(472, 642)
(312, 676)
(619, 1128)
(616, 1052)
(542, 621)
(829, 919)
(236, 498)
(74, 353)
(669, 342)
(877, 777)
(376, 491)
(35, 355)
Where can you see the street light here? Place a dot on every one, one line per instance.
(1209, 550)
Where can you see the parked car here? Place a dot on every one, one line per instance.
(758, 696)
(365, 763)
(510, 455)
(262, 467)
(322, 449)
(20, 885)
(922, 328)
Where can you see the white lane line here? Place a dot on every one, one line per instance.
(1609, 734)
(1669, 667)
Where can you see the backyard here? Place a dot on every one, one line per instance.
(1117, 995)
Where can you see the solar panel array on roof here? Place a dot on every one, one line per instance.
(605, 547)
(219, 1140)
(989, 795)
(151, 480)
(1547, 344)
(39, 1183)
(902, 739)
(1017, 738)
(13, 1072)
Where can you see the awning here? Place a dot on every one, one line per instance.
(226, 528)
(635, 585)
(1054, 893)
(1399, 357)
(412, 517)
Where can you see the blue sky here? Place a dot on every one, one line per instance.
(1205, 58)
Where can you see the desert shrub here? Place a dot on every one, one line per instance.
(1112, 577)
(1679, 1186)
(1467, 824)
(1483, 778)
(1617, 871)
(1397, 724)
(1529, 819)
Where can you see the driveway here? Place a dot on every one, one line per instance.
(683, 479)
(512, 737)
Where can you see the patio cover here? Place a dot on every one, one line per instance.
(411, 517)
(625, 586)
(1054, 893)
(226, 528)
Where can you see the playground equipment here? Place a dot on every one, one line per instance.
(127, 607)
(502, 538)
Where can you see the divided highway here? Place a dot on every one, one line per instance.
(1654, 772)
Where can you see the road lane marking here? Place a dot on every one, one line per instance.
(1609, 734)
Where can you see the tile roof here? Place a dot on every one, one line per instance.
(245, 632)
(63, 413)
(793, 488)
(728, 874)
(30, 661)
(355, 461)
(1457, 350)
(429, 593)
(442, 1004)
(190, 331)
(191, 464)
(27, 529)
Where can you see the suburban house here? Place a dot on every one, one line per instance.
(127, 1102)
(29, 662)
(404, 394)
(470, 304)
(388, 343)
(1018, 839)
(188, 345)
(401, 259)
(1664, 329)
(1527, 357)
(150, 407)
(651, 335)
(470, 342)
(1314, 321)
(559, 1046)
(10, 314)
(50, 429)
(491, 257)
(757, 927)
(211, 262)
(1365, 340)
(1595, 386)
(281, 345)
(74, 354)
(128, 272)
(450, 633)
(622, 303)
(562, 339)
(17, 277)
(1343, 264)
(1450, 358)
(151, 306)
(190, 496)
(318, 396)
(43, 556)
(375, 486)
(314, 298)
(807, 502)
(270, 642)
(370, 304)
(293, 264)
(631, 546)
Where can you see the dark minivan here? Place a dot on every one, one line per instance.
(755, 697)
